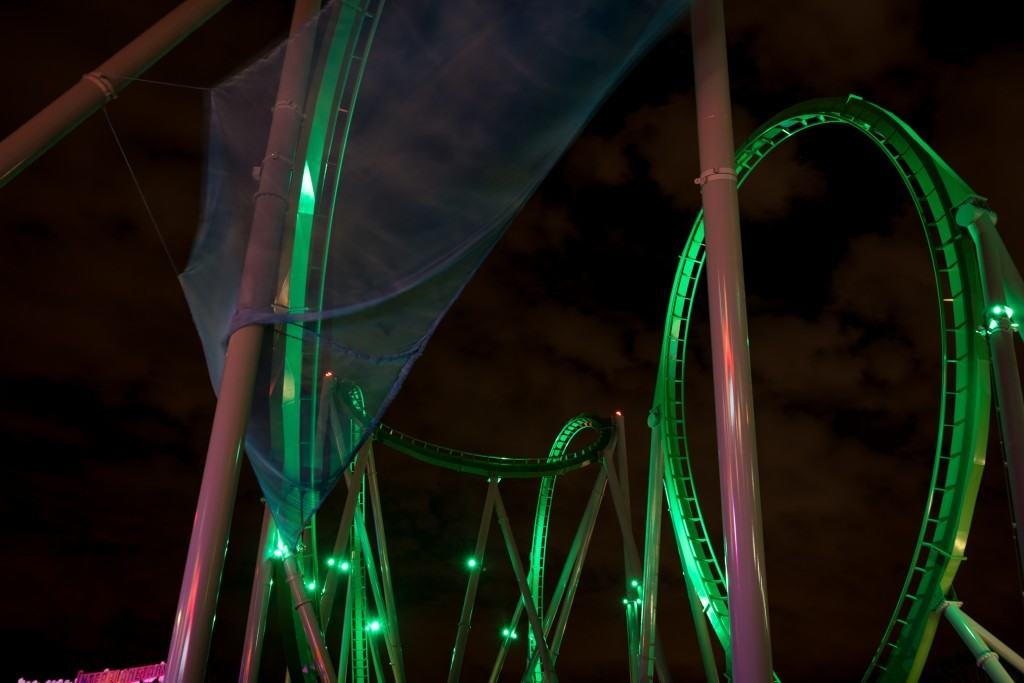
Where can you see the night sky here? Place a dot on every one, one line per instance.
(106, 404)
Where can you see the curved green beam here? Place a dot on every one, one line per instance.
(349, 400)
(332, 101)
(964, 400)
(504, 466)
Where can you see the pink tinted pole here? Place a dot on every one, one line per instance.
(99, 86)
(197, 602)
(734, 406)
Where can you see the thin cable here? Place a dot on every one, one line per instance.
(164, 83)
(142, 195)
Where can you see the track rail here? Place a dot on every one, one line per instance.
(504, 466)
(937, 192)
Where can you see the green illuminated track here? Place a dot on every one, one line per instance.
(330, 106)
(964, 400)
(506, 466)
(542, 518)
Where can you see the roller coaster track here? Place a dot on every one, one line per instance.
(330, 106)
(558, 462)
(936, 192)
(962, 427)
(299, 422)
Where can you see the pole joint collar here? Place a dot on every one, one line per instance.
(984, 657)
(711, 175)
(101, 81)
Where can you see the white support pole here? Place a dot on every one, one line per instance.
(363, 539)
(344, 651)
(343, 539)
(1001, 648)
(568, 581)
(397, 659)
(734, 401)
(652, 555)
(302, 600)
(197, 602)
(633, 571)
(100, 86)
(259, 600)
(984, 657)
(469, 600)
(524, 588)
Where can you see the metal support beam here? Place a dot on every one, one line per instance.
(622, 461)
(652, 555)
(999, 326)
(630, 613)
(633, 569)
(568, 581)
(302, 600)
(344, 651)
(100, 86)
(342, 539)
(983, 656)
(1001, 648)
(524, 588)
(499, 661)
(466, 616)
(734, 403)
(197, 602)
(397, 659)
(259, 600)
(375, 589)
(700, 626)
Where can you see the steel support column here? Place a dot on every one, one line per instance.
(1000, 326)
(466, 616)
(524, 588)
(100, 85)
(734, 405)
(197, 602)
(259, 600)
(303, 602)
(985, 658)
(652, 555)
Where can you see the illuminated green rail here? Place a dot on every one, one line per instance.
(330, 106)
(542, 519)
(964, 405)
(505, 466)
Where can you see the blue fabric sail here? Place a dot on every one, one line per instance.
(427, 126)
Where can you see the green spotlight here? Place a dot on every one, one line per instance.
(373, 626)
(330, 561)
(345, 566)
(471, 563)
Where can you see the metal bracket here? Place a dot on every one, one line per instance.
(712, 174)
(288, 104)
(101, 81)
